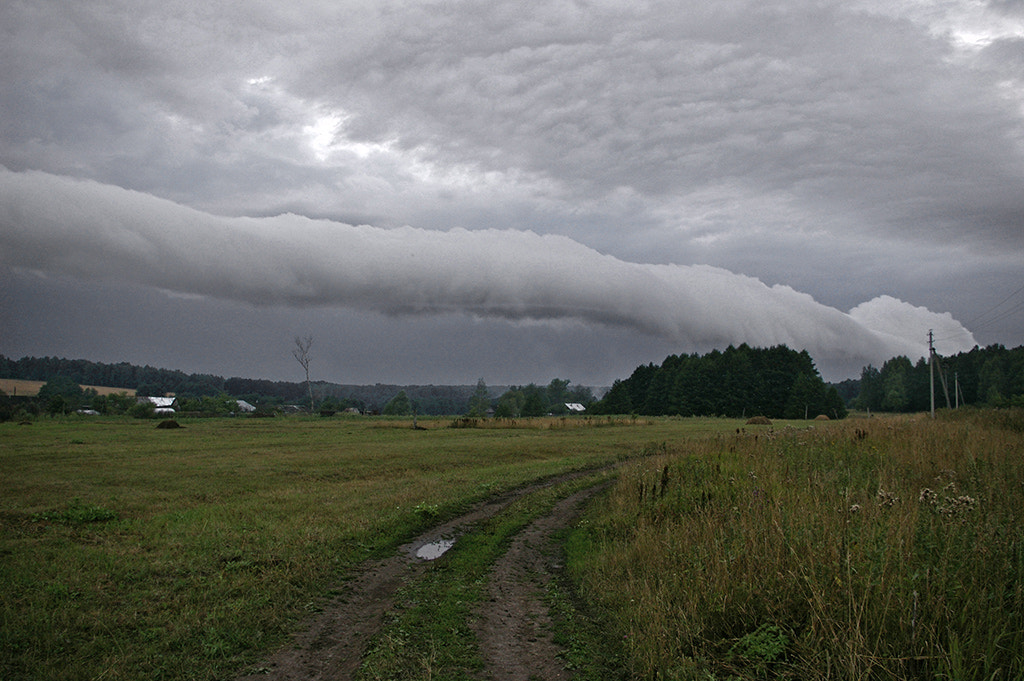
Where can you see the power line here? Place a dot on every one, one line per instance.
(977, 322)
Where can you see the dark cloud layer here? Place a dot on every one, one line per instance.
(82, 228)
(604, 165)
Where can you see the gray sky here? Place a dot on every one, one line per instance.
(443, 191)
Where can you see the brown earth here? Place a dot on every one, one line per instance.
(513, 627)
(23, 388)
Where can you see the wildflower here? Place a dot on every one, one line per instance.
(887, 498)
(927, 496)
(954, 506)
(855, 508)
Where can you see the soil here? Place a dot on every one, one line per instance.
(513, 627)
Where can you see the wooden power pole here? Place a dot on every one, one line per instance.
(931, 368)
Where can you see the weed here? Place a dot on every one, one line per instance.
(77, 513)
(426, 511)
(761, 648)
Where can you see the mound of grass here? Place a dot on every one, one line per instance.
(76, 513)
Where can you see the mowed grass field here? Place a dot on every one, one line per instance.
(132, 552)
(866, 549)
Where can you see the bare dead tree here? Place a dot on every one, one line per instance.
(301, 353)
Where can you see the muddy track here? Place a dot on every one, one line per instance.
(513, 628)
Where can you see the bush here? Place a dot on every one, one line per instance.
(143, 410)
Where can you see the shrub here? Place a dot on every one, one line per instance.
(143, 410)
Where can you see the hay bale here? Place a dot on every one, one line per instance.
(758, 421)
(822, 417)
(169, 423)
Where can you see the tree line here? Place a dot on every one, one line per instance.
(991, 376)
(774, 382)
(202, 392)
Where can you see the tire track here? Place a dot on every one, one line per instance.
(330, 646)
(514, 627)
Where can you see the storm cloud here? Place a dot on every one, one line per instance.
(643, 177)
(78, 227)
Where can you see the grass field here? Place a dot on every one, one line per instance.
(725, 551)
(132, 552)
(872, 549)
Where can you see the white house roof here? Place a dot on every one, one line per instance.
(160, 402)
(575, 406)
(245, 406)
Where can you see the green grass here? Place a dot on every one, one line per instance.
(720, 552)
(870, 549)
(129, 552)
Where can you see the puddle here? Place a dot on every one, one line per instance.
(434, 549)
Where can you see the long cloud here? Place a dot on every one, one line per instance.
(83, 228)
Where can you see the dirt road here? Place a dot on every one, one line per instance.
(512, 627)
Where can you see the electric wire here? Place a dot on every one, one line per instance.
(979, 322)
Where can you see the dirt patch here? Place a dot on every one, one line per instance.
(512, 631)
(514, 627)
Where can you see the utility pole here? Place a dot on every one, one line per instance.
(931, 368)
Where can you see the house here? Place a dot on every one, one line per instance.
(164, 405)
(245, 407)
(575, 407)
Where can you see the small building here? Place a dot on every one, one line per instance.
(245, 407)
(164, 405)
(575, 407)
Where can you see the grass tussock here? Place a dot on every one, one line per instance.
(870, 549)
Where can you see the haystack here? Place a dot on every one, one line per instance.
(758, 421)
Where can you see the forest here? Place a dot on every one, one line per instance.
(148, 380)
(774, 382)
(740, 381)
(992, 376)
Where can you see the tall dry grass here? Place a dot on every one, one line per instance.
(870, 549)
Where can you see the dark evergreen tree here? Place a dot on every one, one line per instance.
(400, 405)
(736, 382)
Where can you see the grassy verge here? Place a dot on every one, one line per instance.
(870, 549)
(590, 648)
(129, 552)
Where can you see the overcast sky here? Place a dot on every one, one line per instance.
(441, 191)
